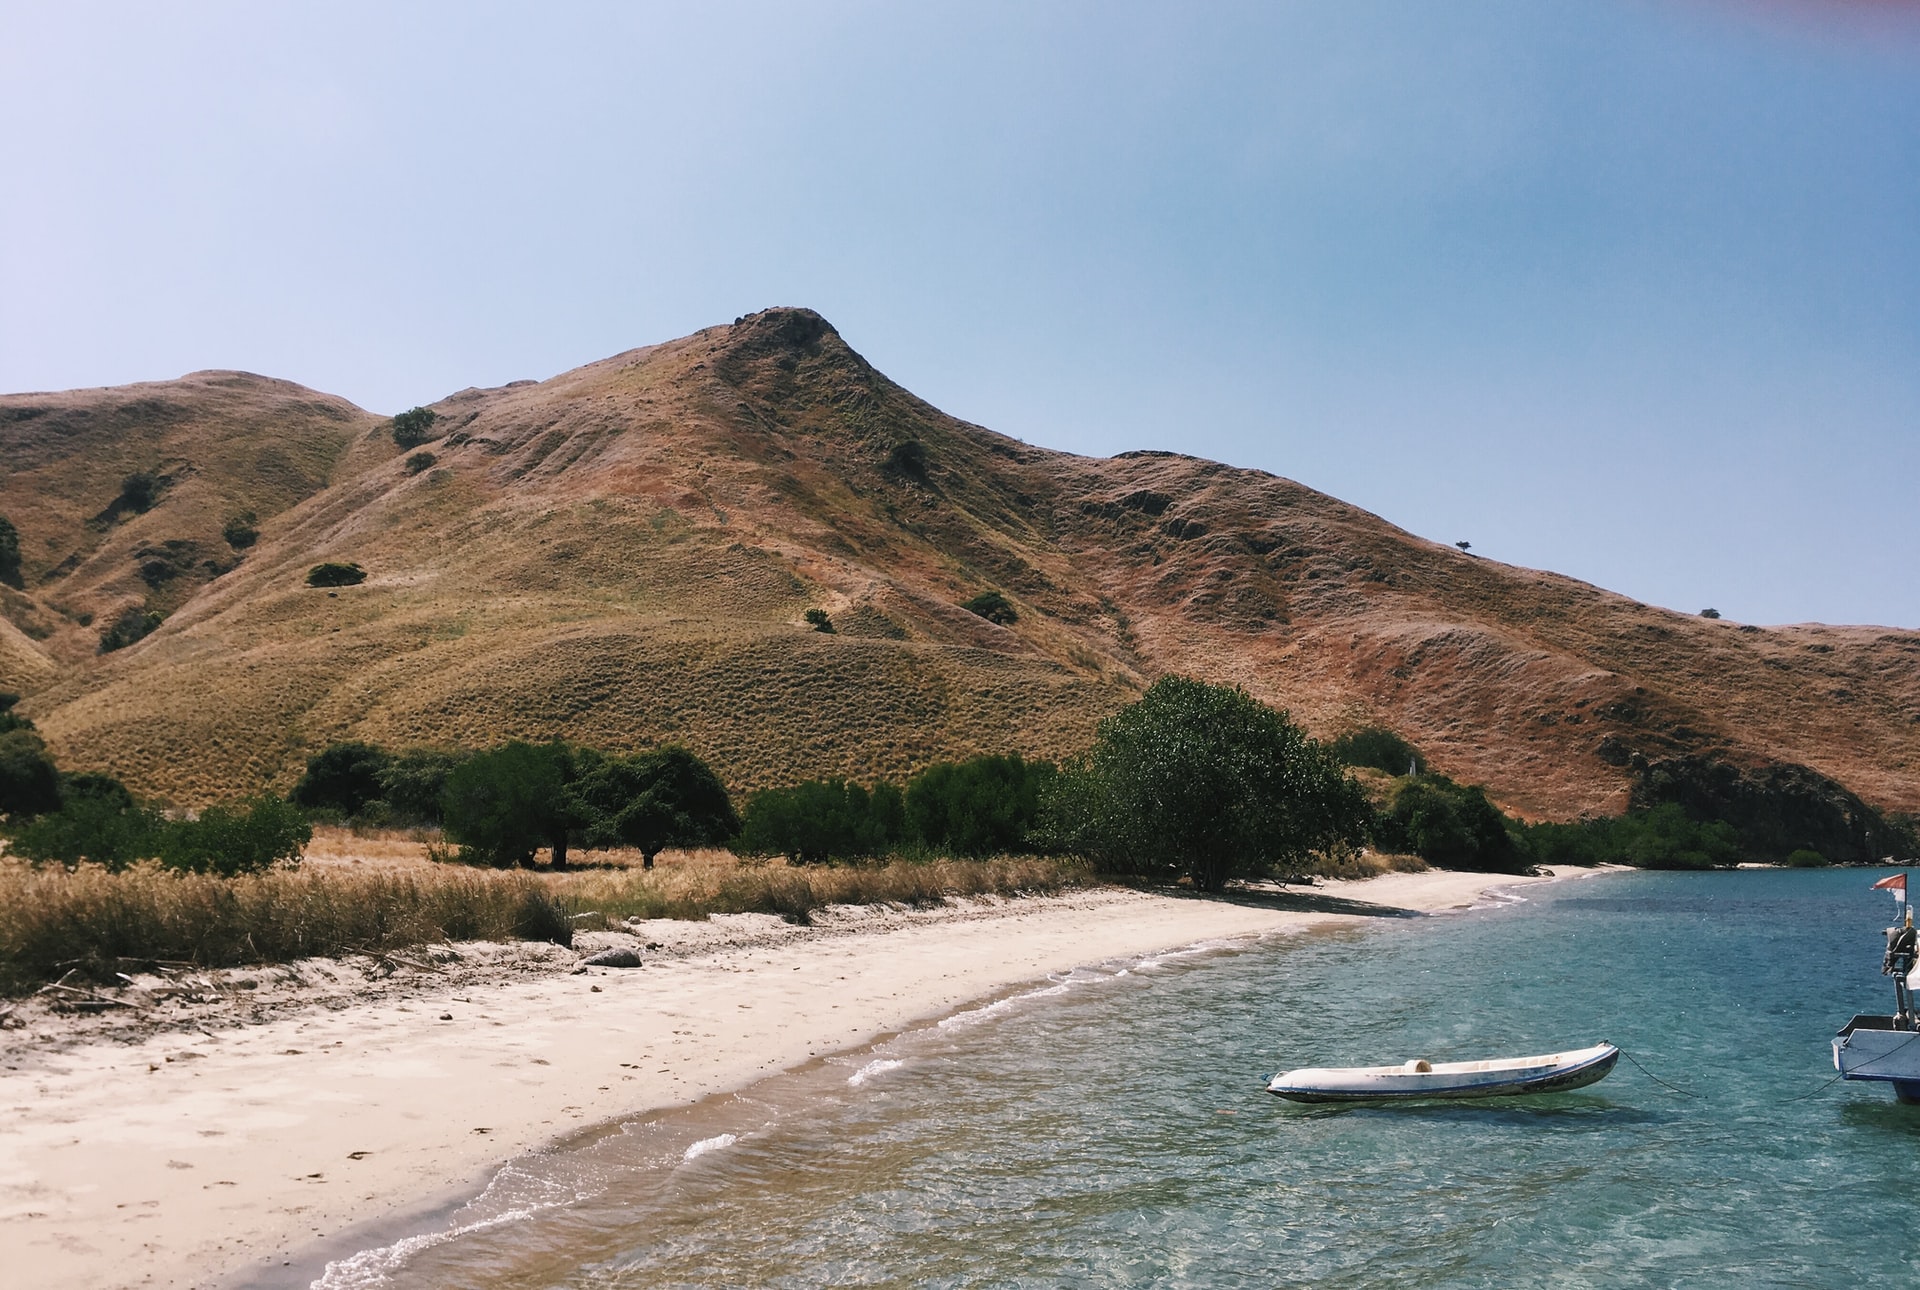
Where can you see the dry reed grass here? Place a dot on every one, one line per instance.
(53, 920)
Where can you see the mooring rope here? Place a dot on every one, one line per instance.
(1655, 1078)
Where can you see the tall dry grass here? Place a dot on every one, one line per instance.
(53, 920)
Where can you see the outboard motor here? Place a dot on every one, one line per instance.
(1903, 950)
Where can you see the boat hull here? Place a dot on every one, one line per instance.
(1869, 1048)
(1550, 1073)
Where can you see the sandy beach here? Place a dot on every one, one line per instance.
(193, 1157)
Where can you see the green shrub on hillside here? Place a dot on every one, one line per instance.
(1806, 858)
(419, 461)
(336, 573)
(414, 427)
(993, 607)
(1662, 838)
(135, 623)
(241, 531)
(818, 620)
(1378, 748)
(139, 491)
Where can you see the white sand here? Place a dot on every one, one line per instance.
(181, 1160)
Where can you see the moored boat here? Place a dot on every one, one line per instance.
(1881, 1047)
(1427, 1080)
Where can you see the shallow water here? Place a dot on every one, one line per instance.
(1111, 1128)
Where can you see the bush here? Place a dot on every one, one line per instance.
(133, 624)
(1378, 748)
(230, 840)
(336, 573)
(102, 828)
(139, 491)
(822, 820)
(343, 777)
(909, 458)
(419, 461)
(1662, 838)
(993, 607)
(1806, 858)
(818, 620)
(1206, 781)
(1450, 825)
(414, 427)
(29, 780)
(9, 553)
(241, 531)
(986, 806)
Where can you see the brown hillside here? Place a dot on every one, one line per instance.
(623, 554)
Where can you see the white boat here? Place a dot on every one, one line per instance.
(1880, 1047)
(1422, 1079)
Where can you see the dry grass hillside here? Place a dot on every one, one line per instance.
(624, 555)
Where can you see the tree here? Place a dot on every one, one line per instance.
(419, 461)
(502, 806)
(819, 621)
(343, 777)
(413, 427)
(1464, 546)
(336, 573)
(659, 799)
(139, 491)
(1451, 826)
(96, 823)
(412, 784)
(134, 623)
(29, 780)
(986, 806)
(822, 820)
(1206, 781)
(9, 553)
(1709, 613)
(231, 840)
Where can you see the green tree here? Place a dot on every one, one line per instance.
(231, 840)
(29, 780)
(822, 820)
(1451, 826)
(414, 427)
(1206, 781)
(503, 805)
(819, 620)
(98, 822)
(9, 553)
(413, 783)
(985, 806)
(659, 799)
(343, 777)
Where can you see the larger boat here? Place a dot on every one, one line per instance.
(1882, 1047)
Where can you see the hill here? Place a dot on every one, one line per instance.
(625, 553)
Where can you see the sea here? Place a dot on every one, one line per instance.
(1110, 1126)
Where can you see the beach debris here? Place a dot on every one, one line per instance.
(616, 958)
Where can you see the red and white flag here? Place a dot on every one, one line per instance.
(1896, 884)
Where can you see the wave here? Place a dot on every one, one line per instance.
(705, 1145)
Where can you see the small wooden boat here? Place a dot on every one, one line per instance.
(1425, 1080)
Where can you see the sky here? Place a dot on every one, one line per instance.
(1626, 289)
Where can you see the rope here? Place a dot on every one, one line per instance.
(1655, 1078)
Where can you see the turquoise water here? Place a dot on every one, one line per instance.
(1111, 1128)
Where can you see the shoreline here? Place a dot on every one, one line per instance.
(189, 1156)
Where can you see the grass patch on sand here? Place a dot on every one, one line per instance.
(53, 921)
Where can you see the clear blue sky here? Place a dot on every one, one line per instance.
(1622, 288)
